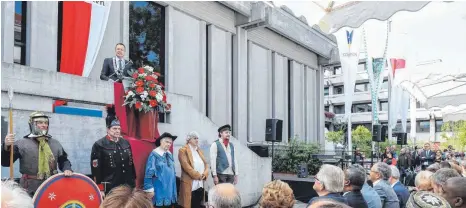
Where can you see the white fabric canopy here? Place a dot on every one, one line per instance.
(454, 113)
(355, 13)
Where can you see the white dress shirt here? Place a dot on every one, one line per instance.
(213, 159)
(198, 165)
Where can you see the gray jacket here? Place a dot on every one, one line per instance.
(387, 194)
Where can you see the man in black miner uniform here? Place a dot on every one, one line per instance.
(115, 68)
(111, 158)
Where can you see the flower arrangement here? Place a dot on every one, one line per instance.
(146, 93)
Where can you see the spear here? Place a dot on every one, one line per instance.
(10, 97)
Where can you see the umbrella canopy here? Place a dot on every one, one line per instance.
(355, 13)
(454, 114)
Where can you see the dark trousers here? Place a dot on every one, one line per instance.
(197, 197)
(224, 178)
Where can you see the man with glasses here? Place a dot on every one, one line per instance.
(380, 173)
(222, 158)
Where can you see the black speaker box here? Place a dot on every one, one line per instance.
(402, 139)
(273, 130)
(376, 133)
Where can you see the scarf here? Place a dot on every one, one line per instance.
(45, 158)
(226, 141)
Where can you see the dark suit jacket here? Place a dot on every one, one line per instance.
(402, 193)
(387, 195)
(429, 158)
(355, 199)
(108, 71)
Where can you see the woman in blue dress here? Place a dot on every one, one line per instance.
(160, 176)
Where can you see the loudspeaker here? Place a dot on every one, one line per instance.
(376, 133)
(384, 133)
(402, 139)
(273, 130)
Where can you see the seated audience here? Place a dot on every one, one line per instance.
(456, 167)
(454, 191)
(13, 196)
(277, 194)
(422, 181)
(380, 173)
(440, 177)
(401, 191)
(126, 197)
(369, 194)
(425, 199)
(224, 195)
(354, 181)
(433, 168)
(329, 183)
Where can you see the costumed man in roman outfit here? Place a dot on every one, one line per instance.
(160, 176)
(111, 158)
(115, 68)
(38, 154)
(222, 158)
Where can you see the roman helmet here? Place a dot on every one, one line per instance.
(33, 119)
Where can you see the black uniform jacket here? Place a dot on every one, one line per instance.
(112, 162)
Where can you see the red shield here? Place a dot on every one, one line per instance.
(77, 191)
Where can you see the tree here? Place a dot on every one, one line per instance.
(457, 137)
(362, 139)
(335, 136)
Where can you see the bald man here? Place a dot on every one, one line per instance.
(224, 195)
(454, 191)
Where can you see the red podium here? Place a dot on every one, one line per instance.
(139, 128)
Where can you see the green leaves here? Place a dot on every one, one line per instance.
(362, 139)
(335, 136)
(287, 158)
(454, 134)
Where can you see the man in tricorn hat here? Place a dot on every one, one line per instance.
(111, 158)
(222, 158)
(159, 175)
(38, 154)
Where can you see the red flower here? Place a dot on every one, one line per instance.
(141, 70)
(140, 90)
(139, 83)
(138, 105)
(164, 99)
(152, 103)
(152, 93)
(156, 73)
(135, 75)
(152, 85)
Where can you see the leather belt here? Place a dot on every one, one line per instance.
(26, 177)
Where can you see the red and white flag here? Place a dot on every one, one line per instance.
(84, 24)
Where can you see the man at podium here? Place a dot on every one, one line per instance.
(115, 68)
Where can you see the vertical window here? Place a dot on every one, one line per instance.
(423, 126)
(147, 38)
(384, 85)
(290, 121)
(327, 108)
(438, 125)
(19, 51)
(147, 35)
(325, 91)
(383, 106)
(337, 70)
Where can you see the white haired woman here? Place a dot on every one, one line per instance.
(329, 183)
(13, 196)
(194, 171)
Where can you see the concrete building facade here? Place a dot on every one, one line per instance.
(224, 62)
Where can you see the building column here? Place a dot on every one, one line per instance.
(330, 90)
(42, 35)
(432, 128)
(8, 31)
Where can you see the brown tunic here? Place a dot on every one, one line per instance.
(188, 174)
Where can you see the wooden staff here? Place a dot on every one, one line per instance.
(10, 97)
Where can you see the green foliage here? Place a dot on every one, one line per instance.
(362, 139)
(335, 136)
(287, 158)
(457, 137)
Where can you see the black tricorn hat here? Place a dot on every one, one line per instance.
(111, 119)
(164, 135)
(224, 127)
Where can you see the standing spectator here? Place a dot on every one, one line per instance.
(222, 158)
(454, 191)
(390, 160)
(224, 195)
(380, 173)
(401, 191)
(369, 194)
(354, 181)
(404, 163)
(393, 151)
(427, 156)
(277, 194)
(358, 157)
(440, 177)
(329, 183)
(14, 196)
(194, 171)
(463, 166)
(438, 156)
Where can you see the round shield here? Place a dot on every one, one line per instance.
(77, 191)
